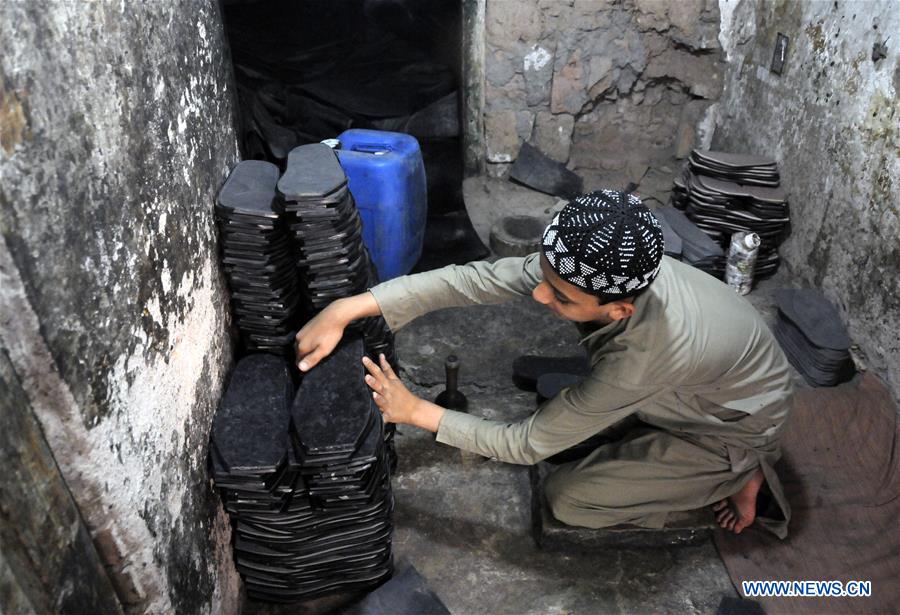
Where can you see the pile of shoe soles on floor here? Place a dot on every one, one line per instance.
(304, 474)
(304, 477)
(723, 193)
(810, 331)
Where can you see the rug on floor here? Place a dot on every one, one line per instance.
(841, 474)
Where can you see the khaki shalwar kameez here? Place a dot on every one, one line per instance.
(695, 363)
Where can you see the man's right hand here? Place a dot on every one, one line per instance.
(319, 337)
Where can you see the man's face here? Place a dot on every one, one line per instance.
(571, 303)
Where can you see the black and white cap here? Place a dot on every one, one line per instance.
(607, 243)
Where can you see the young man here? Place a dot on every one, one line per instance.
(668, 344)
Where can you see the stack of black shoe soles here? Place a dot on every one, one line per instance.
(304, 478)
(741, 168)
(338, 444)
(696, 247)
(329, 251)
(258, 258)
(810, 331)
(250, 465)
(725, 193)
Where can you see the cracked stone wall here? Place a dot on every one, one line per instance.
(832, 120)
(116, 131)
(619, 90)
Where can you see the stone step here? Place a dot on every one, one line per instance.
(682, 528)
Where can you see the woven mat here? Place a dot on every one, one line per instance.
(841, 475)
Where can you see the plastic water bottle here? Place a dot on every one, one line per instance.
(741, 261)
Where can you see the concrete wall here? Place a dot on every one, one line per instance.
(116, 131)
(48, 562)
(832, 120)
(618, 90)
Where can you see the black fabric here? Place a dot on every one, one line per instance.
(307, 71)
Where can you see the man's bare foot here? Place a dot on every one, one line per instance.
(738, 511)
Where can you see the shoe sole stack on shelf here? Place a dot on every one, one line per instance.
(815, 341)
(724, 193)
(258, 258)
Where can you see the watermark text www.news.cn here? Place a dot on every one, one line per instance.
(797, 589)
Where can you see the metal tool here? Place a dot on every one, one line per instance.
(450, 397)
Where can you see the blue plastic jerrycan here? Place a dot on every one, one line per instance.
(387, 180)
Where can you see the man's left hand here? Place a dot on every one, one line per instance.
(396, 403)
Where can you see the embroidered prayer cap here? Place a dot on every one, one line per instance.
(606, 243)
